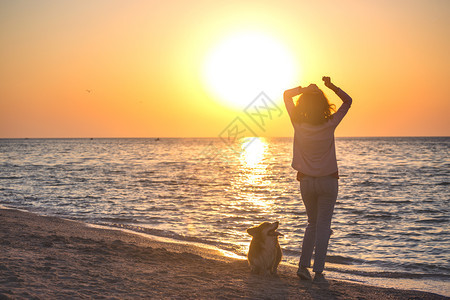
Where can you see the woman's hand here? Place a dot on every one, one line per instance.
(327, 82)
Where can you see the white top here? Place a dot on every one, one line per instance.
(314, 150)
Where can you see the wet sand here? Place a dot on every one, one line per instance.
(53, 258)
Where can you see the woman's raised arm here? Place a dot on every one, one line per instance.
(288, 102)
(346, 99)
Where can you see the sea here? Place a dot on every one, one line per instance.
(390, 226)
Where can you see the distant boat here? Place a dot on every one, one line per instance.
(157, 139)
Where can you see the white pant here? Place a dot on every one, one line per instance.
(319, 196)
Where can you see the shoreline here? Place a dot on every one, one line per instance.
(50, 257)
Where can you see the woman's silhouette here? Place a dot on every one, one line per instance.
(315, 160)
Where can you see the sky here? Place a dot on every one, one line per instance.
(108, 68)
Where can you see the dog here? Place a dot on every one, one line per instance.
(264, 254)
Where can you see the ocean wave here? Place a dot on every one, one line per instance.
(390, 274)
(343, 260)
(10, 177)
(434, 220)
(382, 216)
(334, 259)
(443, 183)
(118, 220)
(395, 201)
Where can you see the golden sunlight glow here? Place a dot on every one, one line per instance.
(245, 64)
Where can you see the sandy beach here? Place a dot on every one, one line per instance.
(53, 258)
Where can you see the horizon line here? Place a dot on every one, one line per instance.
(211, 137)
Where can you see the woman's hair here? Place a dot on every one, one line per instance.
(313, 108)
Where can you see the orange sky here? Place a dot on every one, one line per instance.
(143, 60)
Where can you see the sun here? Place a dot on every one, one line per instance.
(244, 64)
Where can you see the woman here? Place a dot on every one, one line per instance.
(315, 160)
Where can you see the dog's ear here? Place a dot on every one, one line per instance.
(252, 231)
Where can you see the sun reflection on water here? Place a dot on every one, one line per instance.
(253, 151)
(253, 163)
(253, 183)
